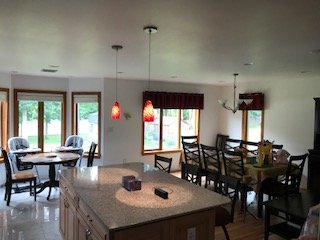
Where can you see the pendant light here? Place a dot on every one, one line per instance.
(236, 103)
(116, 111)
(148, 112)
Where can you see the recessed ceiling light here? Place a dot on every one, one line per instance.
(248, 63)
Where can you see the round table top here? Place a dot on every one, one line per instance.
(50, 158)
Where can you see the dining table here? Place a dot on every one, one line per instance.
(50, 159)
(259, 173)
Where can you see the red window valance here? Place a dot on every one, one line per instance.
(172, 100)
(257, 103)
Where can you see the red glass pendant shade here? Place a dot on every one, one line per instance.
(148, 113)
(116, 112)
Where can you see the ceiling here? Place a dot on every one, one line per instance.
(198, 41)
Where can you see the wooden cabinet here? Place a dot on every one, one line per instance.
(101, 209)
(85, 231)
(67, 213)
(76, 222)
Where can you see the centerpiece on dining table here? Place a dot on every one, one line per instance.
(265, 154)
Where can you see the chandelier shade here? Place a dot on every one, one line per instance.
(148, 112)
(116, 111)
(236, 103)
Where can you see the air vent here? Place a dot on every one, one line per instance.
(49, 70)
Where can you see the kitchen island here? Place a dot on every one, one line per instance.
(94, 205)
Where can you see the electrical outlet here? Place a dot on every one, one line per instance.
(191, 233)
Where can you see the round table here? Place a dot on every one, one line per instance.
(50, 159)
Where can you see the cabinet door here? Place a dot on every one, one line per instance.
(62, 215)
(70, 221)
(67, 216)
(84, 232)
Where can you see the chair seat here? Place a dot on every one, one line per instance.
(223, 217)
(23, 175)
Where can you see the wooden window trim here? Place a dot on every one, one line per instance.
(244, 132)
(40, 136)
(74, 117)
(160, 150)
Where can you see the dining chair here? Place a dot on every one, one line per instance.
(290, 184)
(192, 155)
(20, 177)
(75, 141)
(162, 163)
(223, 185)
(234, 166)
(221, 141)
(212, 163)
(191, 173)
(91, 153)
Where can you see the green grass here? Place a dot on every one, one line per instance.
(49, 139)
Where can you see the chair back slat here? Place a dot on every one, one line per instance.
(91, 153)
(191, 173)
(294, 172)
(192, 153)
(233, 163)
(162, 163)
(211, 158)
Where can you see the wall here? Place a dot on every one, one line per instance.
(123, 138)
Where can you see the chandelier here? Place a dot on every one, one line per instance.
(116, 111)
(148, 112)
(236, 103)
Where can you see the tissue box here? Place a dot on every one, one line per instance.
(131, 183)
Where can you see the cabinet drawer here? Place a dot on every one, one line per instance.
(92, 222)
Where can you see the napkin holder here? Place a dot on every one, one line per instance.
(131, 183)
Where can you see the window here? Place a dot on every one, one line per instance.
(4, 113)
(86, 118)
(39, 116)
(163, 134)
(252, 125)
(252, 117)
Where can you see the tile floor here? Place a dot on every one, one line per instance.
(25, 219)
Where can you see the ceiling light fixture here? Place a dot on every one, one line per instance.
(116, 111)
(148, 112)
(236, 103)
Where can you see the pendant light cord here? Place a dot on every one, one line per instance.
(116, 75)
(234, 91)
(149, 59)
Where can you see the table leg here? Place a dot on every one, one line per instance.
(52, 180)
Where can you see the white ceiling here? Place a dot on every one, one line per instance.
(198, 41)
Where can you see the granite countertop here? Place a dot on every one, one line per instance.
(101, 190)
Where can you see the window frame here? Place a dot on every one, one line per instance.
(40, 116)
(74, 117)
(160, 150)
(244, 128)
(5, 118)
